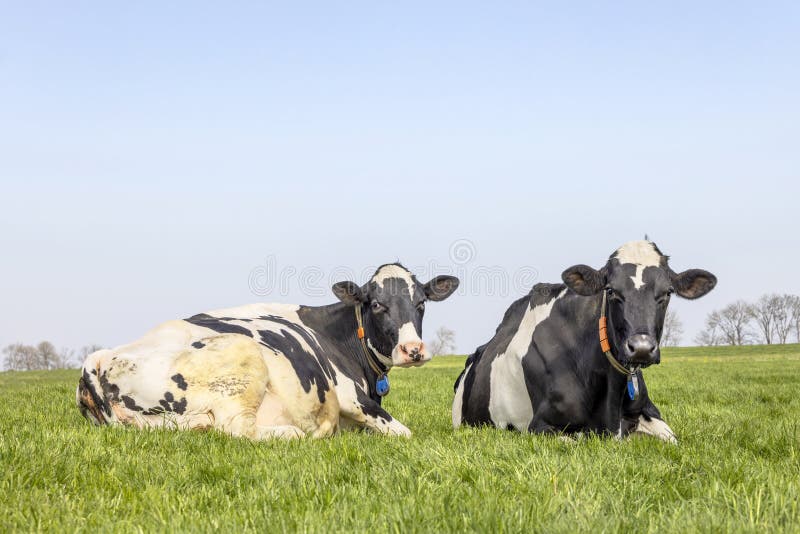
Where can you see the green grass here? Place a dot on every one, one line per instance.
(736, 412)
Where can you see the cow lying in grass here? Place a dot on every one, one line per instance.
(270, 370)
(568, 357)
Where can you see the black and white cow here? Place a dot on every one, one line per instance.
(269, 370)
(544, 370)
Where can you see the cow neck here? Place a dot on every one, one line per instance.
(381, 371)
(629, 372)
(338, 325)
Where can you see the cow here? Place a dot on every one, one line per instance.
(270, 370)
(567, 358)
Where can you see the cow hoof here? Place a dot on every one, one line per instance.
(398, 429)
(656, 428)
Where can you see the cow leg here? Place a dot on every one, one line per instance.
(648, 422)
(273, 420)
(643, 417)
(540, 426)
(283, 432)
(238, 421)
(369, 414)
(655, 427)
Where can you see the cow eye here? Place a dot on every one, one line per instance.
(377, 306)
(614, 295)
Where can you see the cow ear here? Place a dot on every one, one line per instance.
(348, 292)
(584, 280)
(440, 287)
(693, 284)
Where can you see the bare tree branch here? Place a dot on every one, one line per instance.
(672, 333)
(764, 312)
(444, 342)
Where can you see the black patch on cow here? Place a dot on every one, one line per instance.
(198, 344)
(169, 404)
(308, 369)
(131, 404)
(110, 392)
(227, 319)
(178, 379)
(219, 324)
(324, 362)
(91, 401)
(476, 413)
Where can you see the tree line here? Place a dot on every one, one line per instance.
(43, 356)
(772, 319)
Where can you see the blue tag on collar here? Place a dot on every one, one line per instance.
(382, 386)
(633, 386)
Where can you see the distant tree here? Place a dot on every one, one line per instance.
(444, 342)
(67, 360)
(783, 319)
(795, 308)
(733, 323)
(44, 356)
(19, 357)
(672, 333)
(709, 336)
(764, 313)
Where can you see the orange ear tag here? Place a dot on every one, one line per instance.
(360, 332)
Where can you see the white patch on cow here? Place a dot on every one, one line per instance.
(348, 395)
(642, 254)
(396, 428)
(509, 401)
(407, 335)
(638, 280)
(657, 428)
(385, 360)
(395, 271)
(252, 311)
(639, 253)
(458, 401)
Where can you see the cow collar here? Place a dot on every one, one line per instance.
(605, 346)
(382, 383)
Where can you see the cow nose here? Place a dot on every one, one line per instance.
(413, 350)
(641, 348)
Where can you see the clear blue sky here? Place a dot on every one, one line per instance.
(153, 155)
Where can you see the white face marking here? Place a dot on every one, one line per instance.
(639, 253)
(642, 254)
(509, 402)
(395, 271)
(405, 336)
(638, 281)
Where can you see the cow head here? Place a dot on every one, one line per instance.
(393, 304)
(638, 282)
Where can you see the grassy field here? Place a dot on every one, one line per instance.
(737, 468)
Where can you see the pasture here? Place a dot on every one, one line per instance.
(736, 412)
